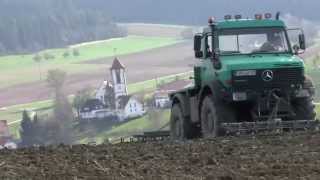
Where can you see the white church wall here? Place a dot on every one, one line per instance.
(120, 89)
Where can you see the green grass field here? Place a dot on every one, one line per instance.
(19, 69)
(137, 126)
(14, 113)
(151, 85)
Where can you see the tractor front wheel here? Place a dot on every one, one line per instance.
(178, 124)
(209, 118)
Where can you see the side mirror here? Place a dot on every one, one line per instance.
(197, 46)
(302, 42)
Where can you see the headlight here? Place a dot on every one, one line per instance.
(246, 73)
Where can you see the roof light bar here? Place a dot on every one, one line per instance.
(268, 16)
(238, 16)
(227, 17)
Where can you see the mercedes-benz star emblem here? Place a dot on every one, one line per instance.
(267, 75)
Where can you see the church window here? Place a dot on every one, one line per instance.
(118, 78)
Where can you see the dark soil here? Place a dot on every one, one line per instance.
(273, 157)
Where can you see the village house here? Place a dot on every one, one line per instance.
(5, 137)
(161, 95)
(112, 98)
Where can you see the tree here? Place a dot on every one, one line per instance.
(66, 54)
(56, 79)
(38, 131)
(27, 130)
(40, 25)
(75, 52)
(62, 113)
(155, 116)
(315, 61)
(48, 56)
(80, 99)
(37, 58)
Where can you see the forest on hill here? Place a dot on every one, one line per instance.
(33, 25)
(197, 12)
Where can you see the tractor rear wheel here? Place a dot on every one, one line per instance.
(178, 125)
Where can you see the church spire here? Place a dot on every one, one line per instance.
(119, 79)
(116, 64)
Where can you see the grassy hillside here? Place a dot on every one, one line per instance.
(23, 68)
(137, 126)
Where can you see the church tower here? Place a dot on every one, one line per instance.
(119, 79)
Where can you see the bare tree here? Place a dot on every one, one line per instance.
(37, 58)
(62, 113)
(56, 79)
(81, 97)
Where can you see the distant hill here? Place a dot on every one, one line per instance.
(196, 12)
(33, 25)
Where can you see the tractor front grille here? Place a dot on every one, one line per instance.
(283, 78)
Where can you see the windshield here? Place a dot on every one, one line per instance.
(247, 41)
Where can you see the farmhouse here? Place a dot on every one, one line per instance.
(130, 107)
(112, 98)
(161, 95)
(95, 109)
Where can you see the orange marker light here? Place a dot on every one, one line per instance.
(258, 16)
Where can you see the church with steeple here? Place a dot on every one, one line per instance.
(113, 97)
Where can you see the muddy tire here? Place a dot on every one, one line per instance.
(308, 84)
(213, 113)
(209, 118)
(178, 126)
(304, 109)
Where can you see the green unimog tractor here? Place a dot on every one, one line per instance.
(249, 79)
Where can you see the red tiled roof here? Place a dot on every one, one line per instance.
(117, 64)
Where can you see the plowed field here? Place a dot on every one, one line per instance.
(273, 157)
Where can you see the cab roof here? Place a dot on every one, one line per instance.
(249, 23)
